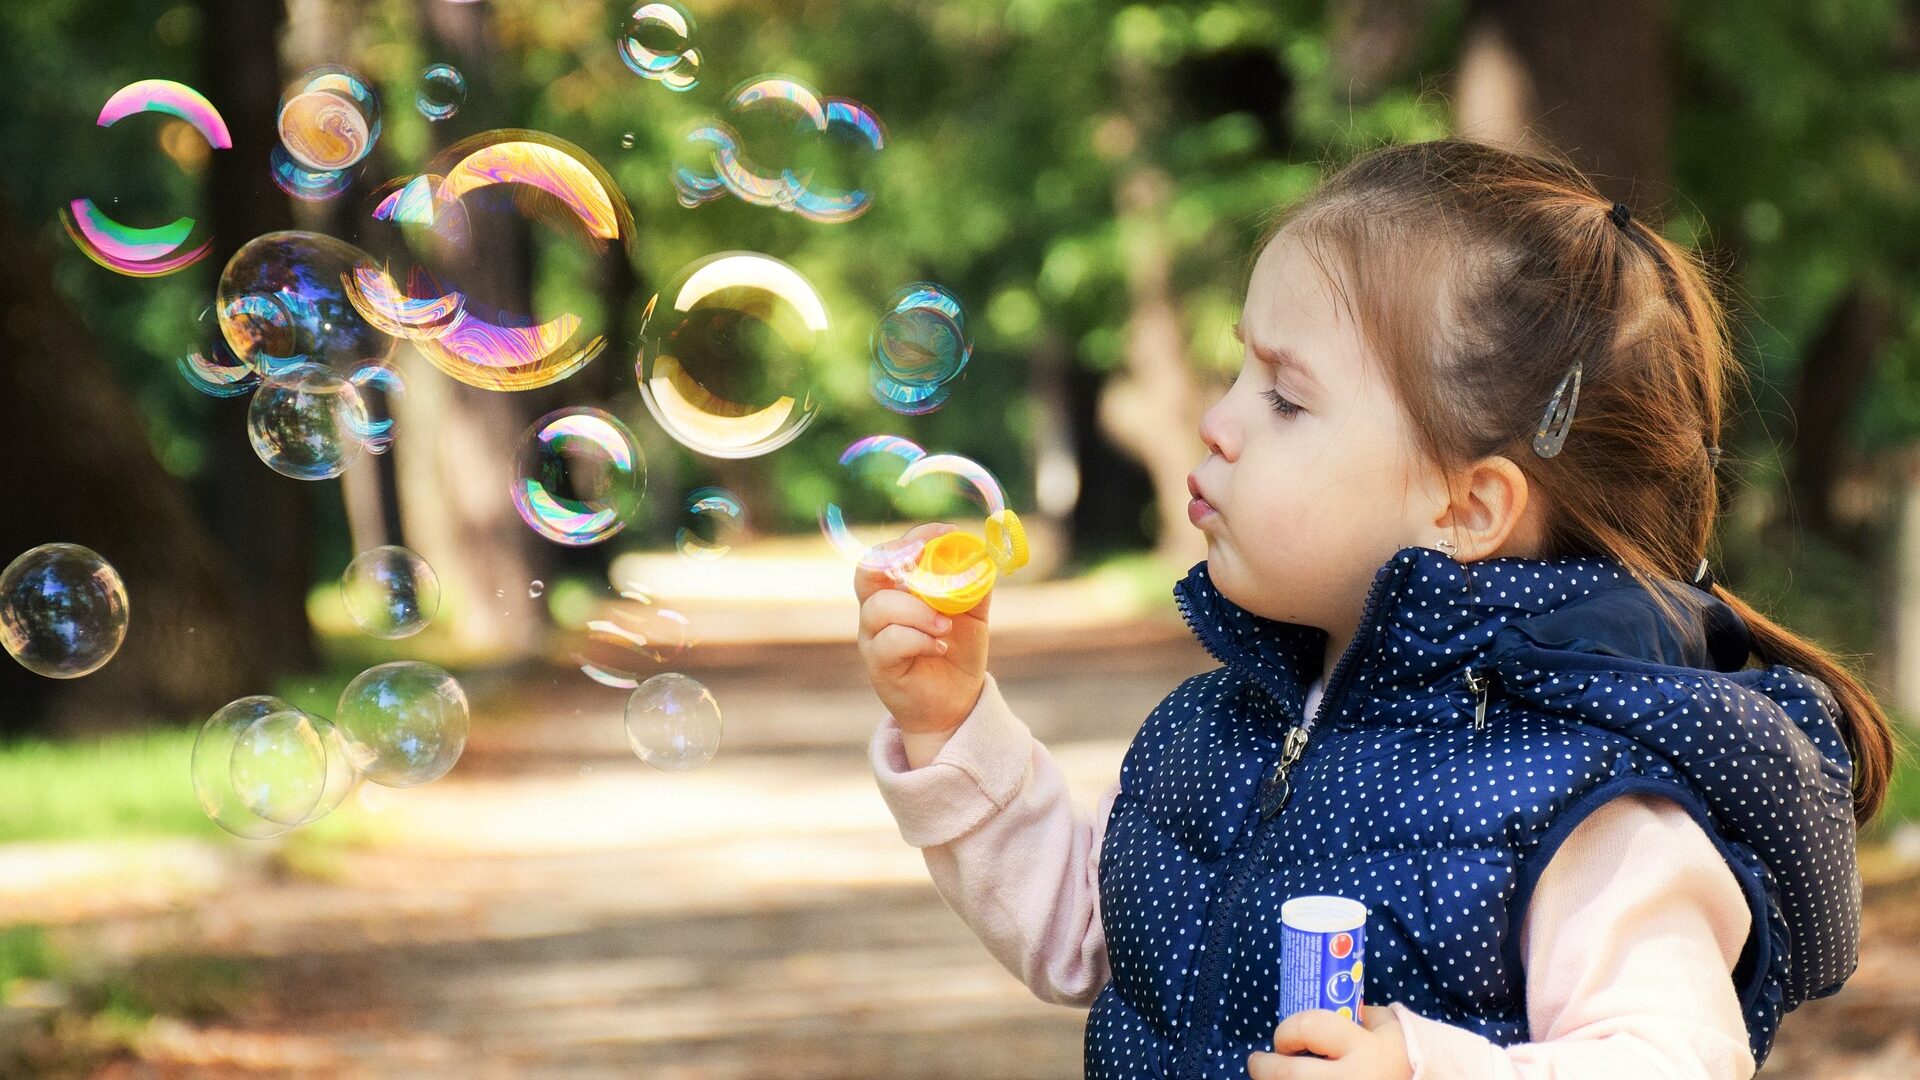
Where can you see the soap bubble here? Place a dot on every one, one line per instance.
(212, 368)
(578, 477)
(405, 722)
(308, 185)
(279, 767)
(673, 723)
(629, 635)
(303, 422)
(329, 118)
(136, 251)
(774, 117)
(442, 91)
(786, 147)
(627, 141)
(725, 351)
(905, 398)
(271, 771)
(895, 480)
(283, 301)
(535, 588)
(63, 611)
(922, 338)
(715, 521)
(378, 387)
(656, 44)
(476, 187)
(853, 134)
(390, 592)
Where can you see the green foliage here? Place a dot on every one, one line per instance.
(118, 786)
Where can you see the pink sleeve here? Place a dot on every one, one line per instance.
(1006, 848)
(1630, 940)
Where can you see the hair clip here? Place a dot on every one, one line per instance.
(1620, 215)
(1713, 457)
(1558, 418)
(1703, 577)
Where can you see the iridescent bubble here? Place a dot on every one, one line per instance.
(535, 588)
(852, 136)
(787, 147)
(673, 723)
(137, 251)
(405, 722)
(63, 611)
(895, 480)
(725, 354)
(714, 522)
(630, 635)
(773, 113)
(657, 44)
(695, 178)
(378, 386)
(212, 766)
(922, 338)
(626, 141)
(329, 119)
(278, 767)
(578, 477)
(496, 179)
(212, 368)
(442, 91)
(303, 422)
(904, 398)
(309, 185)
(283, 301)
(390, 592)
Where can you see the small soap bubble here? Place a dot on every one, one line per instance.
(254, 757)
(390, 592)
(308, 185)
(626, 141)
(726, 351)
(578, 477)
(303, 422)
(893, 482)
(211, 367)
(329, 118)
(63, 611)
(673, 723)
(535, 589)
(714, 522)
(406, 722)
(442, 91)
(922, 338)
(657, 45)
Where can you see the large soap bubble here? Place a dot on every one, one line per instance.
(329, 118)
(147, 252)
(283, 301)
(435, 287)
(260, 767)
(578, 476)
(306, 421)
(406, 722)
(63, 611)
(390, 592)
(673, 723)
(725, 354)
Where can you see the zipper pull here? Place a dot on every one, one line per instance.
(1276, 789)
(1479, 682)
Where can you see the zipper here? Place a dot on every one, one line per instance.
(1479, 681)
(1293, 748)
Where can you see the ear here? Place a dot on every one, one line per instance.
(1491, 511)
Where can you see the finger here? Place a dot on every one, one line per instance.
(897, 644)
(1375, 1017)
(1265, 1066)
(1316, 1031)
(889, 606)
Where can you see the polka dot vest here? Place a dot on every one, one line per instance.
(1481, 712)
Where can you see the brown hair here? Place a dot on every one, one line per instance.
(1515, 255)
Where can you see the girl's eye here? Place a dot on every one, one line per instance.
(1280, 405)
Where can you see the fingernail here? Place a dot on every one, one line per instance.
(942, 624)
(943, 647)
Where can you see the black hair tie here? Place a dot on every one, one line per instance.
(1620, 215)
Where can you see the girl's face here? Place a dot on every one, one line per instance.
(1312, 480)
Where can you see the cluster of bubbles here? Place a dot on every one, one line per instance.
(657, 44)
(261, 766)
(147, 251)
(63, 611)
(920, 348)
(838, 136)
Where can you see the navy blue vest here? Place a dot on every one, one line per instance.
(1441, 822)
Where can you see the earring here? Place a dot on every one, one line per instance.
(1447, 546)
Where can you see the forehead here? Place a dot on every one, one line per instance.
(1297, 303)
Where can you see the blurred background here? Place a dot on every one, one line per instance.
(1088, 179)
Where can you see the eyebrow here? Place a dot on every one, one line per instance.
(1279, 357)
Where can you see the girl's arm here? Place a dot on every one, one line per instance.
(991, 814)
(1630, 941)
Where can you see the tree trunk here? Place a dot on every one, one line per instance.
(81, 470)
(1834, 372)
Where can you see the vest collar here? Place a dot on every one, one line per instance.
(1427, 617)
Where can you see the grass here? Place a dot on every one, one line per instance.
(112, 787)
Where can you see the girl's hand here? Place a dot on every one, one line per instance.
(928, 668)
(1375, 1051)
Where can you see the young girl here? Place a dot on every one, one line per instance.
(1474, 675)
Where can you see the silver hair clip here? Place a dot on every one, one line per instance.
(1558, 419)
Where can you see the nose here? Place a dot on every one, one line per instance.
(1216, 430)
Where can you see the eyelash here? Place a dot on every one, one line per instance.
(1280, 405)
